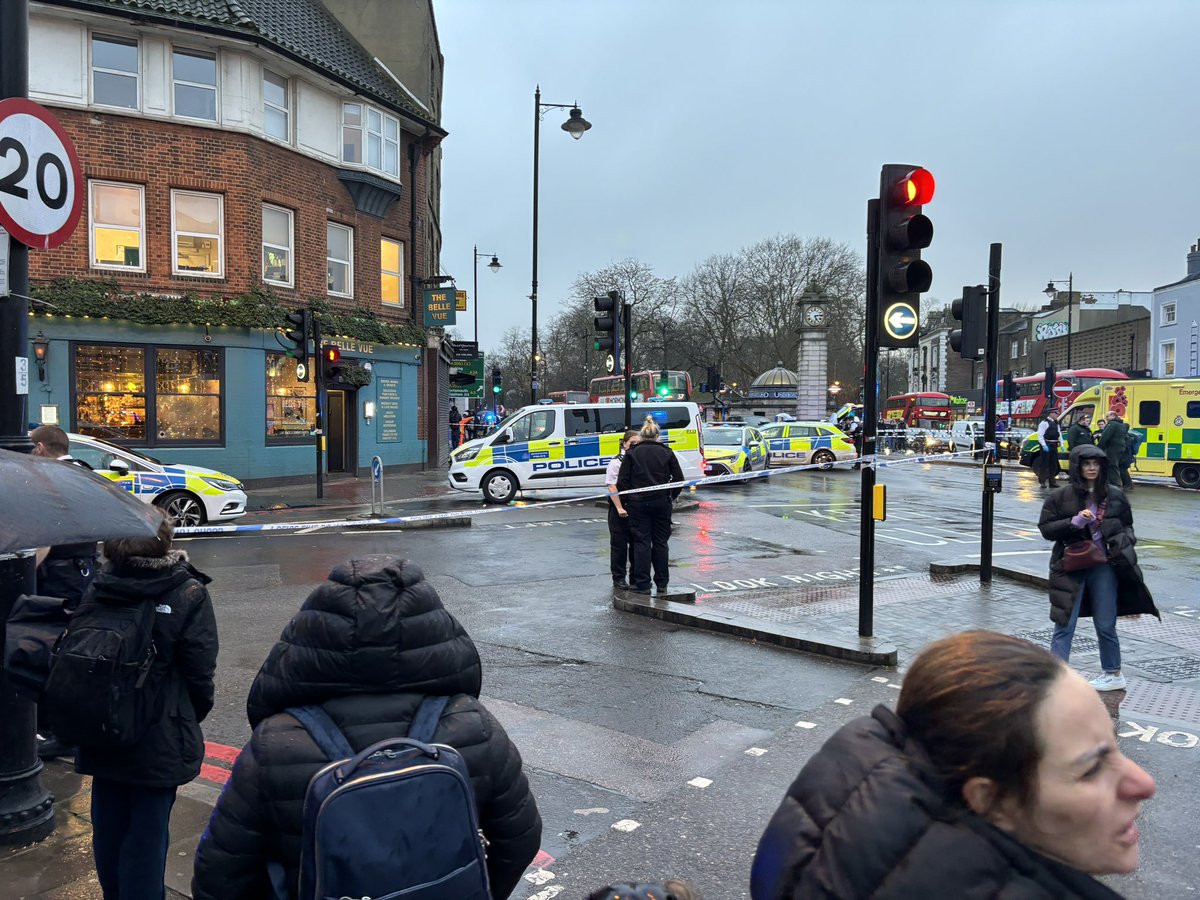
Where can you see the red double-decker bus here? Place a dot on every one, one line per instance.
(1031, 403)
(927, 409)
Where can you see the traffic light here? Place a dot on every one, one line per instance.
(608, 325)
(331, 358)
(296, 329)
(664, 386)
(1010, 388)
(497, 382)
(1048, 387)
(969, 340)
(903, 232)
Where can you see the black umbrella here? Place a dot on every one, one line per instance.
(44, 502)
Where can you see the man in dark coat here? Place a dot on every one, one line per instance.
(1080, 432)
(1112, 442)
(647, 464)
(368, 645)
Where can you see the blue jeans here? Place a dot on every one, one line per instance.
(1100, 582)
(130, 838)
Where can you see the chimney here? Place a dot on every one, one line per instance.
(1193, 260)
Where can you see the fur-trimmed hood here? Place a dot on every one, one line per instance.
(144, 577)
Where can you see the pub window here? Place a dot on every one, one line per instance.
(276, 106)
(391, 272)
(291, 403)
(152, 396)
(194, 76)
(339, 260)
(114, 72)
(197, 229)
(371, 137)
(277, 245)
(116, 213)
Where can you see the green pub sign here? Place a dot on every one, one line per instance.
(439, 307)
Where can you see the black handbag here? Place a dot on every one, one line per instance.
(31, 633)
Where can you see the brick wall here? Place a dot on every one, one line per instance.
(1123, 346)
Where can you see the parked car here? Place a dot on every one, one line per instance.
(732, 449)
(967, 434)
(191, 495)
(928, 440)
(798, 443)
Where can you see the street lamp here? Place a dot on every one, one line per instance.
(494, 265)
(575, 126)
(1051, 292)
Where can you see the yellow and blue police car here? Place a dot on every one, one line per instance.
(800, 443)
(191, 495)
(733, 449)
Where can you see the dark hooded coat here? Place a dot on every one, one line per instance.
(868, 817)
(367, 646)
(1117, 529)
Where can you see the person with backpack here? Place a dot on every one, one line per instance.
(149, 612)
(366, 654)
(1133, 440)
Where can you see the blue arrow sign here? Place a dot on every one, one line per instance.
(900, 321)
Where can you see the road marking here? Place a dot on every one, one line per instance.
(625, 825)
(756, 751)
(845, 701)
(589, 811)
(896, 686)
(1180, 740)
(539, 877)
(880, 679)
(806, 724)
(549, 893)
(700, 782)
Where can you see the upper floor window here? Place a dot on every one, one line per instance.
(276, 106)
(371, 138)
(197, 233)
(114, 72)
(277, 245)
(339, 260)
(117, 213)
(1015, 350)
(391, 272)
(194, 75)
(1167, 365)
(1168, 314)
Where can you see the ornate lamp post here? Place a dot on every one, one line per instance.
(494, 265)
(1052, 292)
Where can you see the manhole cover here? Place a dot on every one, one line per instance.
(1081, 643)
(1176, 668)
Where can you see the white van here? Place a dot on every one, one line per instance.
(549, 447)
(967, 434)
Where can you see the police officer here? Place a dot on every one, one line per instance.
(1049, 437)
(647, 464)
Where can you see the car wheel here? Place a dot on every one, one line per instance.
(185, 509)
(1188, 477)
(824, 459)
(500, 487)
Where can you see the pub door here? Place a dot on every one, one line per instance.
(339, 446)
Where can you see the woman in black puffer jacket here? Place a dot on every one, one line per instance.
(367, 646)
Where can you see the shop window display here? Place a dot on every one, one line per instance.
(291, 404)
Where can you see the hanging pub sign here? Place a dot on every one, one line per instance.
(439, 307)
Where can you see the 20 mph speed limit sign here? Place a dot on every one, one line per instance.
(41, 196)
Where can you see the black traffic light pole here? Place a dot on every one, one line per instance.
(990, 373)
(626, 316)
(866, 538)
(319, 380)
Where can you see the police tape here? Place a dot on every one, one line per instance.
(878, 461)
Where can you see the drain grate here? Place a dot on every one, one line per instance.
(1176, 668)
(1080, 643)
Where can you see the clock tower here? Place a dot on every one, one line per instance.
(812, 362)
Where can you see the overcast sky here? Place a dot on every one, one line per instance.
(1065, 129)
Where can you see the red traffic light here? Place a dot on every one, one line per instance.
(331, 354)
(915, 188)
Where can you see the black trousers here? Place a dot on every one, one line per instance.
(1047, 464)
(620, 538)
(651, 526)
(130, 837)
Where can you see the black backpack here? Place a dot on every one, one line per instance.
(103, 690)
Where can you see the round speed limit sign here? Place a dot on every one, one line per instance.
(41, 196)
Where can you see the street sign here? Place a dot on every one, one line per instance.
(900, 320)
(1063, 388)
(41, 194)
(460, 301)
(465, 350)
(376, 469)
(472, 369)
(301, 372)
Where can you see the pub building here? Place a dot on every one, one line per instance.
(236, 166)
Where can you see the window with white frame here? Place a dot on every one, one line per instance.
(1014, 350)
(371, 138)
(277, 234)
(114, 71)
(1167, 316)
(116, 225)
(1167, 355)
(391, 272)
(197, 233)
(1025, 346)
(339, 260)
(194, 79)
(276, 106)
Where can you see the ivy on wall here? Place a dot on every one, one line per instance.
(257, 308)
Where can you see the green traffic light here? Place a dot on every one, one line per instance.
(495, 388)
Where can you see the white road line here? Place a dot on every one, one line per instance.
(806, 724)
(845, 701)
(625, 825)
(700, 782)
(756, 751)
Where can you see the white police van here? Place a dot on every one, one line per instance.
(559, 447)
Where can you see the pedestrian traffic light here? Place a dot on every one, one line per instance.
(1048, 387)
(1010, 388)
(902, 233)
(969, 340)
(331, 358)
(497, 381)
(608, 324)
(664, 384)
(296, 330)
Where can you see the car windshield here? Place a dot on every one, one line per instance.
(723, 437)
(118, 450)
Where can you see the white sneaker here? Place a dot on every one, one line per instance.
(1109, 681)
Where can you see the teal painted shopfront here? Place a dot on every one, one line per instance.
(224, 397)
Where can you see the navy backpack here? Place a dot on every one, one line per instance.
(396, 821)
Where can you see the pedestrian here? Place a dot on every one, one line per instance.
(650, 463)
(1080, 432)
(1133, 441)
(1049, 437)
(63, 571)
(454, 418)
(1112, 442)
(998, 775)
(633, 890)
(133, 788)
(620, 538)
(1091, 514)
(368, 646)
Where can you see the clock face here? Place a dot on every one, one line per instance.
(814, 315)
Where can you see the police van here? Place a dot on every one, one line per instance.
(560, 447)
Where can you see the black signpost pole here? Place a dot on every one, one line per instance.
(866, 541)
(627, 360)
(319, 380)
(990, 374)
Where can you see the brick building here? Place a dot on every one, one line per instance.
(239, 160)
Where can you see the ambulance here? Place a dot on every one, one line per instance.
(567, 447)
(1166, 411)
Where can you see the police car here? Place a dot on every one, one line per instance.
(800, 443)
(732, 449)
(191, 495)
